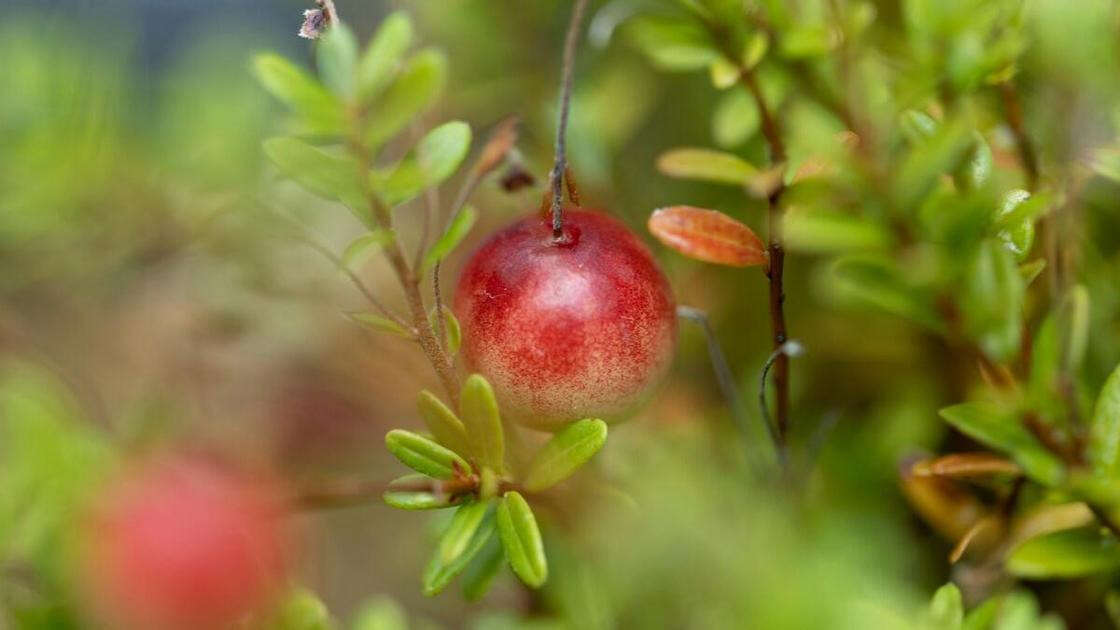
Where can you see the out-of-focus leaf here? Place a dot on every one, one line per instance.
(940, 154)
(946, 610)
(442, 422)
(825, 231)
(482, 570)
(498, 145)
(480, 416)
(318, 111)
(401, 495)
(1104, 429)
(983, 617)
(1017, 236)
(807, 40)
(977, 167)
(460, 226)
(414, 90)
(996, 427)
(876, 282)
(706, 165)
(424, 456)
(337, 57)
(1030, 271)
(522, 540)
(361, 247)
(707, 235)
(947, 507)
(672, 44)
(917, 127)
(453, 334)
(964, 465)
(377, 323)
(303, 610)
(565, 453)
(755, 49)
(993, 301)
(1066, 554)
(723, 73)
(461, 531)
(325, 174)
(383, 54)
(380, 613)
(436, 157)
(438, 574)
(735, 119)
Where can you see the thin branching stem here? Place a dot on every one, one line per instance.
(560, 164)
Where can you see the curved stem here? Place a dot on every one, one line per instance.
(559, 165)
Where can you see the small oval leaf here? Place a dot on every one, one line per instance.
(325, 174)
(377, 323)
(563, 455)
(442, 422)
(482, 570)
(461, 531)
(317, 110)
(707, 235)
(460, 226)
(989, 424)
(522, 540)
(1065, 554)
(453, 333)
(423, 455)
(1104, 430)
(480, 416)
(383, 54)
(361, 247)
(438, 574)
(416, 492)
(337, 56)
(415, 89)
(706, 165)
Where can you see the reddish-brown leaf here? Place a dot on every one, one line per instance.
(966, 465)
(707, 235)
(497, 146)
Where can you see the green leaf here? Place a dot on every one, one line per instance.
(735, 119)
(380, 613)
(318, 111)
(435, 158)
(325, 174)
(484, 424)
(946, 610)
(482, 570)
(337, 56)
(460, 226)
(706, 165)
(940, 154)
(303, 610)
(423, 455)
(377, 323)
(438, 574)
(401, 495)
(827, 231)
(723, 73)
(803, 41)
(993, 301)
(521, 539)
(877, 282)
(453, 334)
(672, 44)
(983, 617)
(917, 127)
(998, 428)
(383, 55)
(1104, 428)
(415, 89)
(1066, 554)
(442, 422)
(565, 453)
(977, 167)
(755, 49)
(1031, 270)
(360, 248)
(464, 524)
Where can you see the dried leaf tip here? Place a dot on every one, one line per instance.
(314, 23)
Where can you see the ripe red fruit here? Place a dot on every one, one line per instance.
(181, 544)
(581, 327)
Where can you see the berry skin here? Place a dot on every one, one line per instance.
(181, 544)
(583, 327)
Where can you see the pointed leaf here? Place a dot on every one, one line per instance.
(482, 570)
(415, 89)
(563, 455)
(364, 245)
(484, 424)
(707, 235)
(381, 57)
(706, 165)
(1104, 430)
(672, 44)
(460, 226)
(325, 174)
(946, 610)
(461, 531)
(303, 610)
(497, 146)
(337, 56)
(435, 158)
(377, 323)
(453, 334)
(423, 455)
(318, 111)
(735, 119)
(965, 465)
(438, 574)
(403, 494)
(442, 422)
(1065, 554)
(1001, 430)
(522, 540)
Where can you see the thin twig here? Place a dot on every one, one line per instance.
(784, 351)
(356, 281)
(561, 161)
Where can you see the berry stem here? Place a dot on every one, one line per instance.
(560, 164)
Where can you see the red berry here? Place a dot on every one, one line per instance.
(182, 544)
(580, 327)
